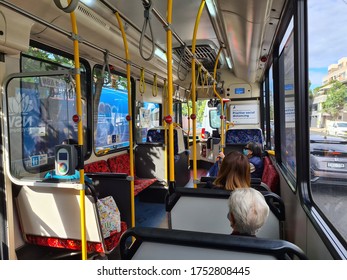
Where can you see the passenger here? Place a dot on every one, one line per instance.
(254, 153)
(234, 172)
(213, 171)
(248, 211)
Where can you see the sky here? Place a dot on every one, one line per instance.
(327, 29)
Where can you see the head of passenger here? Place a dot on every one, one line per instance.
(234, 172)
(252, 149)
(248, 211)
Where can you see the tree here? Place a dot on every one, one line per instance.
(336, 97)
(39, 60)
(200, 108)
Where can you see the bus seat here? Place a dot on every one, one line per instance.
(150, 155)
(97, 167)
(50, 216)
(166, 244)
(243, 136)
(206, 210)
(117, 186)
(119, 165)
(255, 183)
(181, 155)
(211, 142)
(236, 138)
(270, 176)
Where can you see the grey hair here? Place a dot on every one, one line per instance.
(249, 209)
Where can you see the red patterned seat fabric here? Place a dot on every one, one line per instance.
(141, 184)
(73, 244)
(121, 164)
(270, 176)
(97, 167)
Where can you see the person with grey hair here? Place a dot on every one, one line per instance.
(248, 211)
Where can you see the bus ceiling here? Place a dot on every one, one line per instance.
(239, 26)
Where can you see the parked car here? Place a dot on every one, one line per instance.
(337, 128)
(328, 155)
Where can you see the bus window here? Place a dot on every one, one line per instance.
(202, 117)
(271, 108)
(148, 116)
(37, 59)
(327, 95)
(288, 152)
(214, 118)
(111, 109)
(40, 110)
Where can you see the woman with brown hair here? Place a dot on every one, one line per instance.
(234, 172)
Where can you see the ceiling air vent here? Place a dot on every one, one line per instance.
(204, 53)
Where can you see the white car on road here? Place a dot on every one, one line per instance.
(337, 128)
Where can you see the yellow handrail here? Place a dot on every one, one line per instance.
(221, 101)
(155, 86)
(142, 84)
(170, 91)
(80, 132)
(165, 128)
(129, 118)
(188, 122)
(194, 91)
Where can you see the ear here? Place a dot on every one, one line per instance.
(231, 219)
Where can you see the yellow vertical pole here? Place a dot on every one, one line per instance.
(221, 101)
(165, 109)
(129, 118)
(193, 117)
(80, 132)
(170, 92)
(188, 121)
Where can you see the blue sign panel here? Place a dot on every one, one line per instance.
(239, 90)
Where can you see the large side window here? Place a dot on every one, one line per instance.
(288, 152)
(148, 116)
(39, 106)
(271, 107)
(110, 111)
(328, 118)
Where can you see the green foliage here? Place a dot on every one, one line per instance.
(336, 97)
(39, 60)
(200, 108)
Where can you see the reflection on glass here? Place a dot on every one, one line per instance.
(288, 141)
(40, 111)
(112, 127)
(271, 107)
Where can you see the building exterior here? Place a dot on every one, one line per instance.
(336, 72)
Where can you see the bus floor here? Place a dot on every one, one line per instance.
(150, 214)
(153, 214)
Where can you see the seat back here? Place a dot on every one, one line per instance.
(55, 212)
(270, 176)
(181, 159)
(205, 210)
(236, 138)
(150, 155)
(166, 244)
(243, 136)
